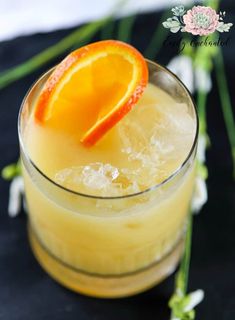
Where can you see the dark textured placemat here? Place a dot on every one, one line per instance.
(26, 292)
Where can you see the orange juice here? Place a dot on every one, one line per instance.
(109, 220)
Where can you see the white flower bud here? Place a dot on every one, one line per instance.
(196, 297)
(202, 80)
(182, 66)
(16, 193)
(200, 195)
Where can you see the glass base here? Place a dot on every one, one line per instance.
(105, 286)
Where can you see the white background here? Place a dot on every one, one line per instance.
(22, 17)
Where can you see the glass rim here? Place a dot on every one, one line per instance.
(149, 189)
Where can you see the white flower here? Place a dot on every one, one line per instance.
(201, 148)
(200, 195)
(194, 79)
(16, 193)
(182, 66)
(182, 305)
(196, 297)
(202, 80)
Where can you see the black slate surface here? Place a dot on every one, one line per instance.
(26, 292)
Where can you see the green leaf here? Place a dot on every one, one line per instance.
(108, 30)
(213, 4)
(11, 171)
(157, 39)
(226, 103)
(179, 299)
(175, 29)
(79, 35)
(125, 27)
(171, 23)
(224, 27)
(202, 171)
(201, 105)
(204, 54)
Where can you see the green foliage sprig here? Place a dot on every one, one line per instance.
(11, 171)
(34, 63)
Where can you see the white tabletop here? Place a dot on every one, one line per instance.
(23, 17)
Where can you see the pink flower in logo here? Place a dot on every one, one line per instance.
(201, 20)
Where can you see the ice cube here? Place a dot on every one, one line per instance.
(95, 176)
(154, 140)
(100, 179)
(99, 175)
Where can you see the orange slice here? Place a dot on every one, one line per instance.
(92, 89)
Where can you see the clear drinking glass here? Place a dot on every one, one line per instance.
(109, 246)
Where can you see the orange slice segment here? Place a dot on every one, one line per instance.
(92, 89)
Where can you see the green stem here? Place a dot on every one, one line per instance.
(183, 273)
(201, 104)
(125, 28)
(213, 4)
(79, 44)
(157, 39)
(47, 55)
(181, 279)
(107, 30)
(225, 103)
